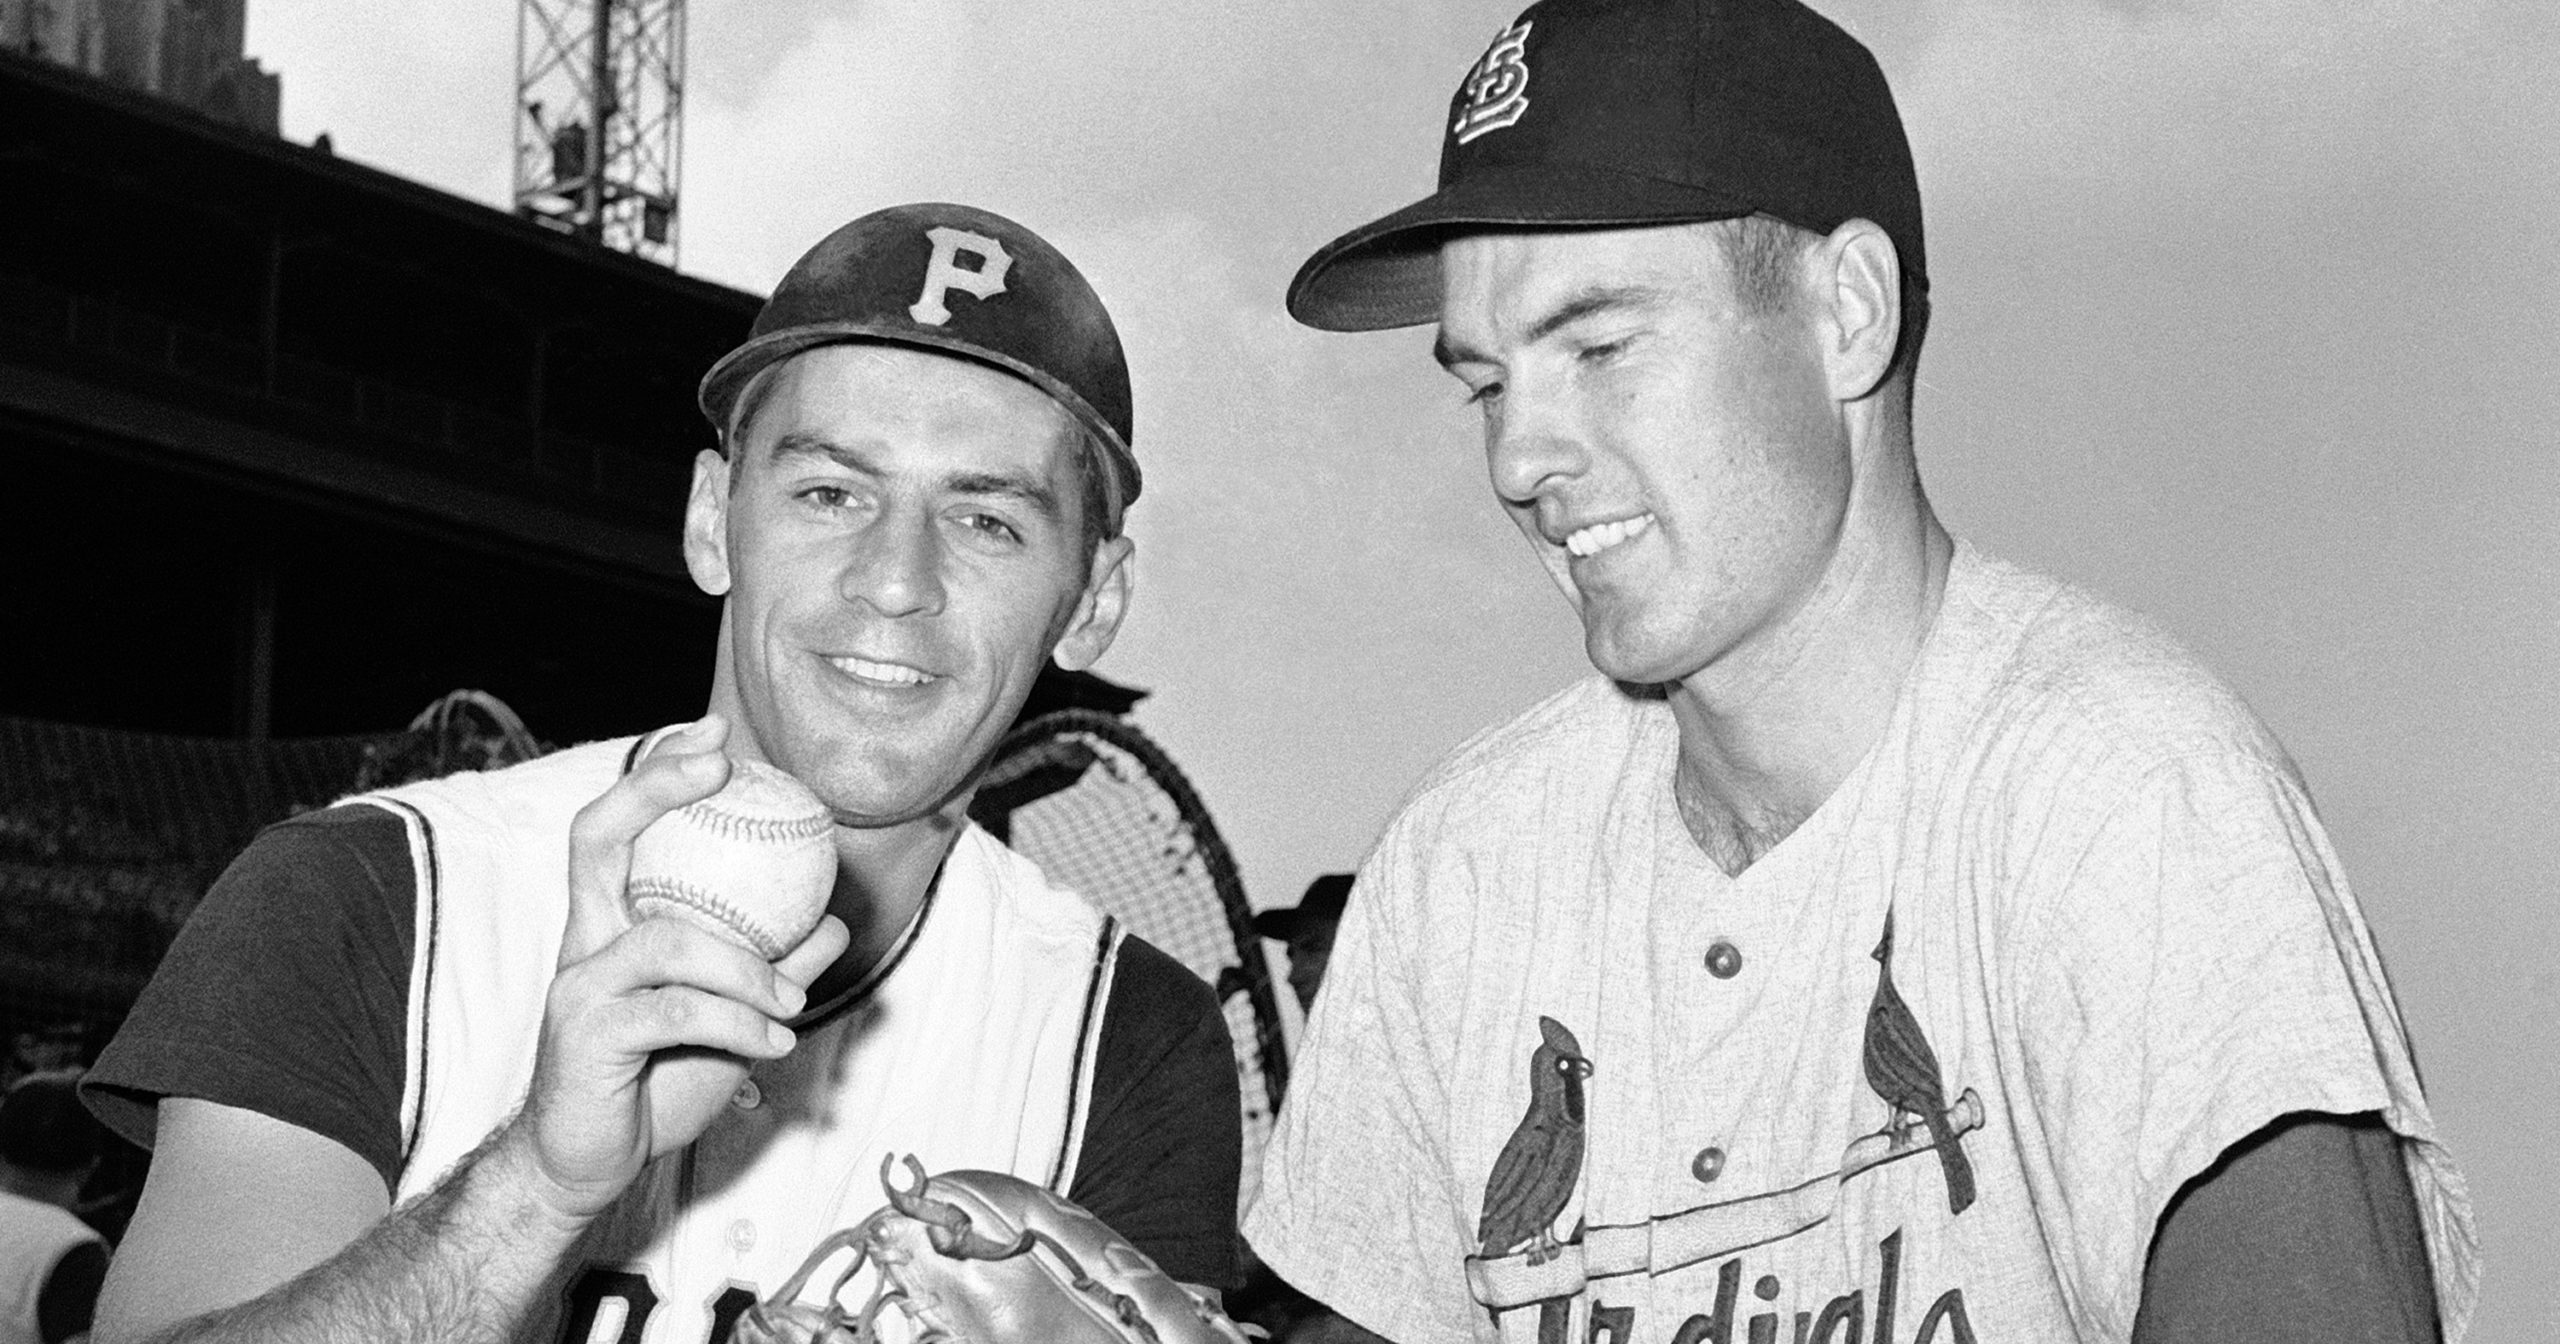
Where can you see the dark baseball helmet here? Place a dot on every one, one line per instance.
(956, 279)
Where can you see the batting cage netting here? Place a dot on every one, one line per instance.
(1103, 811)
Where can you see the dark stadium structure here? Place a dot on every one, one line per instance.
(301, 445)
(296, 447)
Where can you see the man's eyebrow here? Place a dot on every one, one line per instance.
(802, 444)
(1582, 303)
(1031, 494)
(1034, 494)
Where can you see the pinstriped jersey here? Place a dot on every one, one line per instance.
(1926, 1072)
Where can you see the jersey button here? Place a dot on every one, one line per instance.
(1724, 960)
(1707, 1165)
(748, 1096)
(742, 1236)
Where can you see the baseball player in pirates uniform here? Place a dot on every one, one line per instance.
(1888, 944)
(415, 1072)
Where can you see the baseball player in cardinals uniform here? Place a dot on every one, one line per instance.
(414, 1072)
(1889, 944)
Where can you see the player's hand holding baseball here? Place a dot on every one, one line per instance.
(651, 1024)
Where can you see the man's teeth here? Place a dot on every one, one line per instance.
(888, 672)
(1599, 537)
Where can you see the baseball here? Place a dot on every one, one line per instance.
(753, 863)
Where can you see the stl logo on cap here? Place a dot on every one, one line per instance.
(1497, 88)
(944, 273)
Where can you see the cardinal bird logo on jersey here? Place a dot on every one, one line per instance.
(1535, 1175)
(1904, 1071)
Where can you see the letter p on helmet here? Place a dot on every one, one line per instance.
(944, 273)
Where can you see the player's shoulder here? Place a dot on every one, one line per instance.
(1575, 744)
(1017, 891)
(565, 779)
(1150, 984)
(327, 839)
(2058, 674)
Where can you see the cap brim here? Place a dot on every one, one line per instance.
(1387, 273)
(721, 386)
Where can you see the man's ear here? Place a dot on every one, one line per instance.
(706, 524)
(1098, 611)
(1861, 284)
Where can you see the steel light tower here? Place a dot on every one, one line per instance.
(599, 120)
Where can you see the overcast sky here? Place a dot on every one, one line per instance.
(2245, 315)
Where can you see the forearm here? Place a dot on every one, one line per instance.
(466, 1263)
(646, 1029)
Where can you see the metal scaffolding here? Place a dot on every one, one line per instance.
(599, 120)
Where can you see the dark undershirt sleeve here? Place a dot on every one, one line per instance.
(1164, 1141)
(285, 993)
(2305, 1231)
(70, 1295)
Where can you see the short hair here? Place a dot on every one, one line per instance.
(1094, 522)
(1762, 252)
(750, 403)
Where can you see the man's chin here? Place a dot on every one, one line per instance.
(1610, 655)
(1629, 663)
(878, 800)
(887, 814)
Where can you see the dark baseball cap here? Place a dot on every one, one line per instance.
(960, 280)
(1621, 113)
(1321, 905)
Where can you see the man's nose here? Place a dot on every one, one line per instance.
(896, 569)
(1531, 444)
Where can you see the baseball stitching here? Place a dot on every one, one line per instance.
(686, 893)
(762, 829)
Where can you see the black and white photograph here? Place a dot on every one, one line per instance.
(1441, 671)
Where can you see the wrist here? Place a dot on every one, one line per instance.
(509, 1179)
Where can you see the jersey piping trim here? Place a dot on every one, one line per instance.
(1106, 962)
(424, 871)
(810, 1019)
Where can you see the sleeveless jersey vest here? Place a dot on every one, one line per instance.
(974, 1050)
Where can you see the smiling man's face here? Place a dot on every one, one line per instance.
(1673, 454)
(897, 533)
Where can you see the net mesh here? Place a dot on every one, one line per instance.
(1104, 812)
(107, 840)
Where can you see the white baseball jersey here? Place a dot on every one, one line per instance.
(973, 1050)
(1927, 1071)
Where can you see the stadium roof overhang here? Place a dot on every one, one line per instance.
(219, 301)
